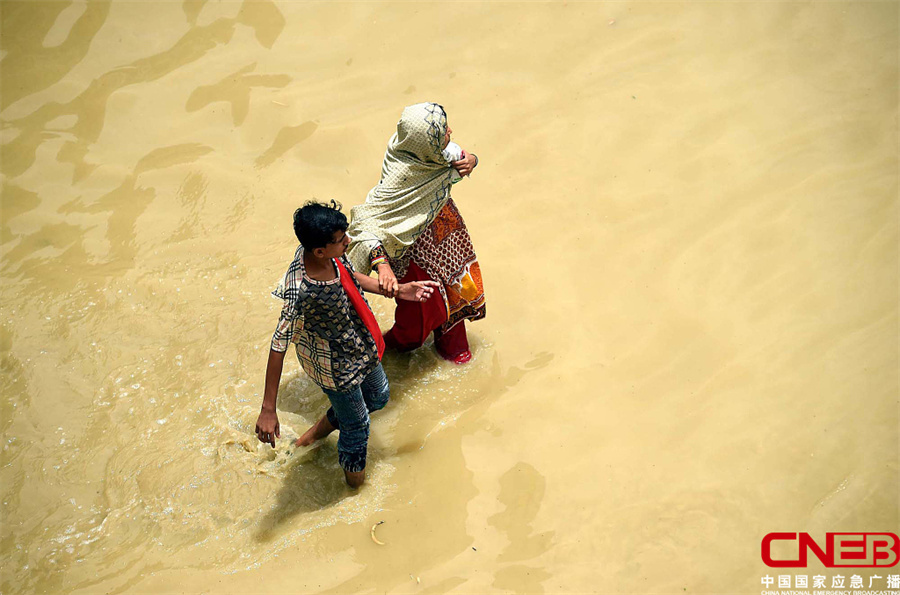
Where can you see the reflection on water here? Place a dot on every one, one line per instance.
(27, 34)
(235, 89)
(90, 106)
(521, 492)
(287, 139)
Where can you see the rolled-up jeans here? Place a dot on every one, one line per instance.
(349, 413)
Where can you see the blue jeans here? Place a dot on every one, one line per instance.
(349, 413)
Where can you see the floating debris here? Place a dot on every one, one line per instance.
(372, 533)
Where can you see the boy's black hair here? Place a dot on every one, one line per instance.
(316, 222)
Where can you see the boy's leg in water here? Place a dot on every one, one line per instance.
(350, 416)
(318, 431)
(354, 480)
(376, 392)
(375, 389)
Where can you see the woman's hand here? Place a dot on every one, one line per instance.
(417, 291)
(465, 165)
(267, 426)
(387, 281)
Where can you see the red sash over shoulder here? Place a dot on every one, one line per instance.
(362, 308)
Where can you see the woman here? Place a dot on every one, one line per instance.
(410, 228)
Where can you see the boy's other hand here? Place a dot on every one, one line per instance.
(387, 281)
(267, 426)
(417, 291)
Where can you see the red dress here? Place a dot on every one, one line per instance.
(443, 253)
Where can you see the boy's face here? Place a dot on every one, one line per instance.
(337, 246)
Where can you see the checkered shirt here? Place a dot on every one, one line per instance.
(333, 344)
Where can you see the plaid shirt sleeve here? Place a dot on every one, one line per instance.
(286, 331)
(291, 320)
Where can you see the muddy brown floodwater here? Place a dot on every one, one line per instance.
(686, 215)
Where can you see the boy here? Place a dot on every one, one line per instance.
(336, 336)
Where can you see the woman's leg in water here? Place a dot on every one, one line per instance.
(453, 345)
(414, 321)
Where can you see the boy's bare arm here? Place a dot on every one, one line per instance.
(417, 291)
(367, 283)
(267, 426)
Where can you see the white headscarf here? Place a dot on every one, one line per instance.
(414, 187)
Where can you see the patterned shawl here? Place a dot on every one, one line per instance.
(414, 187)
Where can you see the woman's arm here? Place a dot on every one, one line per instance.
(417, 291)
(387, 281)
(465, 165)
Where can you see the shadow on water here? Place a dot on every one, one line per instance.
(522, 491)
(300, 396)
(451, 491)
(313, 483)
(405, 370)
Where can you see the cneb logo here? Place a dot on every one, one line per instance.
(842, 550)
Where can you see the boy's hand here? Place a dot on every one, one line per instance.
(465, 165)
(267, 426)
(387, 281)
(417, 291)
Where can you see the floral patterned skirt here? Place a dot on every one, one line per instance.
(444, 251)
